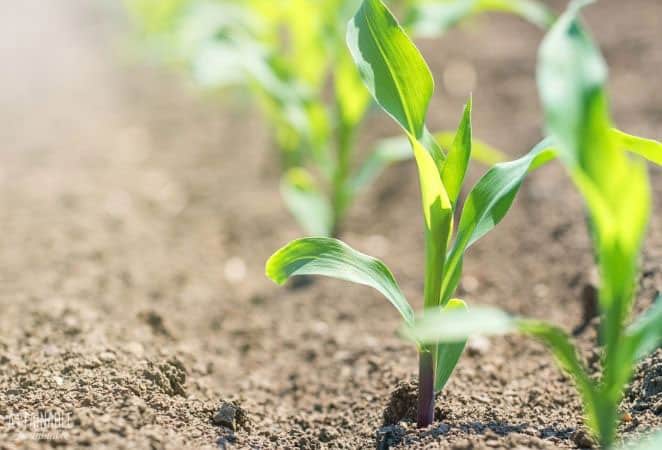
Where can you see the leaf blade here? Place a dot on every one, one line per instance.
(333, 258)
(457, 158)
(390, 64)
(648, 148)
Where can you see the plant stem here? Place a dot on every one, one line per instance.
(425, 387)
(340, 196)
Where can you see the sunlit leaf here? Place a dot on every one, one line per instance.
(488, 202)
(398, 78)
(648, 148)
(571, 79)
(333, 258)
(457, 158)
(393, 70)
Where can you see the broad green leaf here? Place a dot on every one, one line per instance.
(391, 66)
(645, 334)
(571, 79)
(457, 158)
(448, 353)
(333, 258)
(488, 202)
(307, 204)
(648, 148)
(398, 78)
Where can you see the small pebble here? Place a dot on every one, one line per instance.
(227, 416)
(235, 270)
(470, 284)
(107, 357)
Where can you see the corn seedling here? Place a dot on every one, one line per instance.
(398, 78)
(290, 55)
(571, 80)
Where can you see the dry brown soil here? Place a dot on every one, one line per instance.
(137, 215)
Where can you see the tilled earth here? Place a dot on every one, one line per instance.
(137, 215)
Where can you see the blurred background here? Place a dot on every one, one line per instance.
(139, 202)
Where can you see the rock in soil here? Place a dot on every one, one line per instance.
(231, 415)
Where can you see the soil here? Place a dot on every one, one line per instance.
(137, 215)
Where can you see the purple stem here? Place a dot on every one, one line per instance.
(425, 388)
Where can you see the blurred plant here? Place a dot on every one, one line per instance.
(292, 57)
(571, 80)
(399, 80)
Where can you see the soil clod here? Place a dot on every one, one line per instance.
(582, 438)
(230, 415)
(402, 403)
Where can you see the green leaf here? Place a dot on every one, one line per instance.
(488, 202)
(457, 158)
(492, 196)
(571, 79)
(566, 355)
(307, 204)
(648, 148)
(391, 66)
(448, 353)
(393, 70)
(333, 258)
(398, 78)
(645, 334)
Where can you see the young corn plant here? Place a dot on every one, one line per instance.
(571, 81)
(399, 80)
(291, 56)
